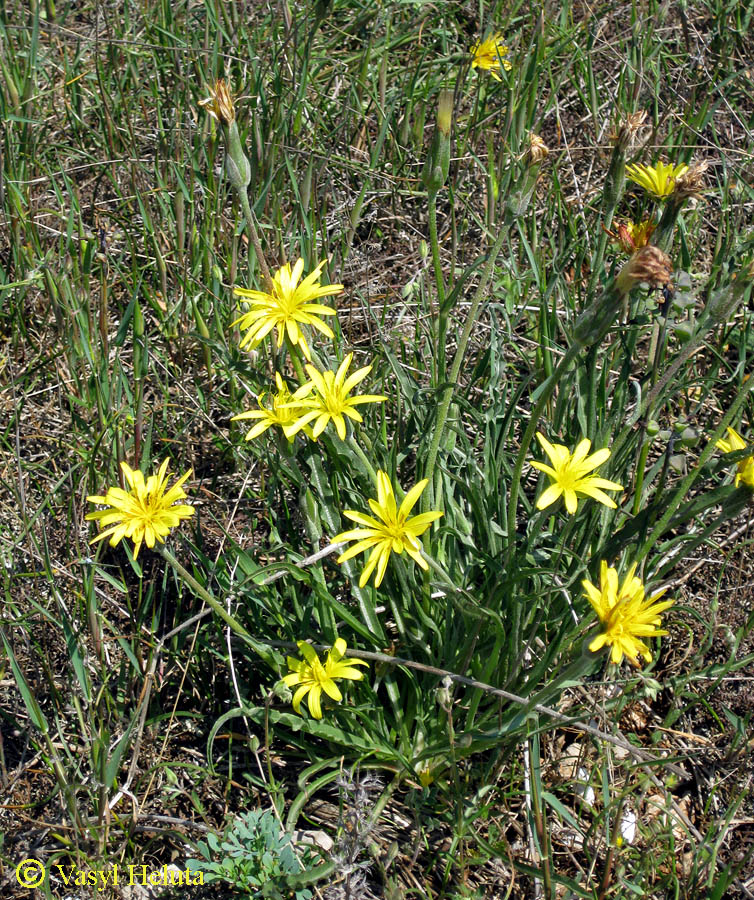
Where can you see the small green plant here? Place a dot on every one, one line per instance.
(256, 858)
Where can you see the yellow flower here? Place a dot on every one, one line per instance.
(312, 677)
(283, 411)
(144, 513)
(287, 307)
(487, 54)
(625, 613)
(745, 467)
(632, 236)
(391, 532)
(568, 474)
(330, 400)
(658, 180)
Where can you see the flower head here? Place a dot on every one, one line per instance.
(626, 131)
(649, 265)
(632, 236)
(536, 150)
(288, 307)
(625, 613)
(144, 513)
(325, 398)
(745, 467)
(691, 183)
(283, 412)
(219, 104)
(488, 54)
(568, 474)
(658, 180)
(313, 677)
(391, 532)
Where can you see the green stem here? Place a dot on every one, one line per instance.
(688, 481)
(251, 225)
(663, 235)
(438, 570)
(440, 315)
(205, 595)
(357, 451)
(447, 394)
(640, 466)
(612, 193)
(295, 356)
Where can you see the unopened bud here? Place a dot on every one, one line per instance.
(281, 690)
(445, 112)
(237, 165)
(444, 698)
(437, 164)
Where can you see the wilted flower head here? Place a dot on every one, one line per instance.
(488, 54)
(625, 613)
(690, 183)
(219, 104)
(626, 131)
(659, 179)
(536, 150)
(632, 236)
(649, 265)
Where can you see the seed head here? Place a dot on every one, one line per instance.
(537, 150)
(650, 265)
(219, 104)
(626, 132)
(691, 183)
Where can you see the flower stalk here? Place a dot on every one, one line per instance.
(623, 138)
(220, 106)
(434, 176)
(141, 366)
(514, 210)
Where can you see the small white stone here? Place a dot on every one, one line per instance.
(585, 790)
(628, 826)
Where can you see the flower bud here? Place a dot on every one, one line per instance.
(437, 164)
(445, 112)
